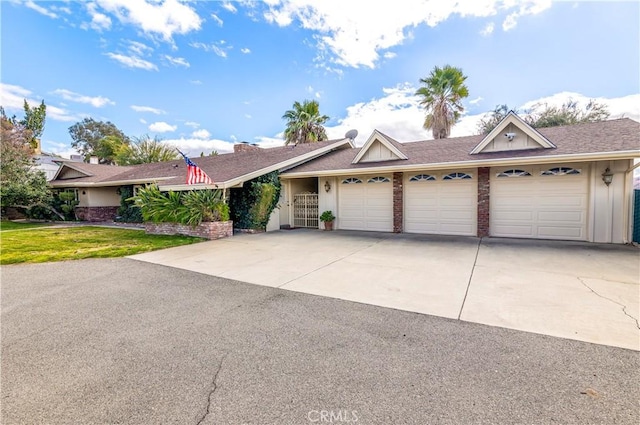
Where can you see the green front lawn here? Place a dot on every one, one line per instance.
(11, 225)
(75, 243)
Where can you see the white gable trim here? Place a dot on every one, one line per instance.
(376, 135)
(513, 118)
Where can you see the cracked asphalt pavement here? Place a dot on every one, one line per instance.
(121, 341)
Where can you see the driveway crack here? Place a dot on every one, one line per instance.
(473, 268)
(624, 307)
(214, 387)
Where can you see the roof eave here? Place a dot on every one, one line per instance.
(547, 159)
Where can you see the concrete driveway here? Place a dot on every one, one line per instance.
(587, 292)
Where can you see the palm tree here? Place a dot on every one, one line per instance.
(145, 150)
(442, 93)
(304, 123)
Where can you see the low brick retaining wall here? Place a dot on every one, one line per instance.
(210, 230)
(96, 213)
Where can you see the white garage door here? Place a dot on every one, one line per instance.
(441, 203)
(366, 203)
(539, 202)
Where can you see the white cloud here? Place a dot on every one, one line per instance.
(476, 100)
(217, 20)
(163, 19)
(201, 134)
(95, 101)
(196, 82)
(216, 47)
(162, 127)
(245, 50)
(42, 10)
(350, 35)
(193, 146)
(525, 8)
(247, 116)
(143, 121)
(138, 48)
(133, 61)
(192, 124)
(399, 114)
(390, 55)
(229, 6)
(139, 108)
(12, 98)
(177, 61)
(488, 29)
(99, 21)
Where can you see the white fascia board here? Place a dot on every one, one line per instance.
(551, 159)
(71, 183)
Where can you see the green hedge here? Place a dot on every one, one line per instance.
(252, 205)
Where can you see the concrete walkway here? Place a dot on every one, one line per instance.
(581, 291)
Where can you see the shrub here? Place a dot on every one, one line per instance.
(128, 212)
(252, 205)
(191, 208)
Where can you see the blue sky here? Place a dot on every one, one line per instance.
(203, 75)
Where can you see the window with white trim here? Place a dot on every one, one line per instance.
(351, 180)
(514, 173)
(457, 176)
(422, 178)
(560, 171)
(378, 180)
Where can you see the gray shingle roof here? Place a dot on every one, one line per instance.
(220, 168)
(605, 136)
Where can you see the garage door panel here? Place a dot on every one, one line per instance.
(365, 206)
(440, 206)
(539, 206)
(560, 232)
(568, 217)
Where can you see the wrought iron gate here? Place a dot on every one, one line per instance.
(305, 210)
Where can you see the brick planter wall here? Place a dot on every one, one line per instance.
(96, 213)
(210, 230)
(397, 203)
(483, 201)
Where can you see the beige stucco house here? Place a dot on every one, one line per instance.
(569, 183)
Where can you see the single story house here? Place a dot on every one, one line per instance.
(570, 182)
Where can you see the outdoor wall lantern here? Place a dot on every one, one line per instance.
(327, 186)
(607, 176)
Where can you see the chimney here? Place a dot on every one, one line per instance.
(93, 160)
(244, 147)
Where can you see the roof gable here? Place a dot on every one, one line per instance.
(67, 171)
(379, 148)
(512, 134)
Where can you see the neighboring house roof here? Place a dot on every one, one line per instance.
(226, 170)
(619, 138)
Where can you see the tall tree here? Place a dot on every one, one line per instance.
(441, 95)
(144, 149)
(305, 123)
(34, 119)
(20, 184)
(97, 138)
(544, 115)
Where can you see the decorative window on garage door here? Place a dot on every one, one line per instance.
(457, 176)
(514, 173)
(422, 178)
(560, 171)
(378, 180)
(351, 180)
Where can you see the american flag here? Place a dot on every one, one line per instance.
(195, 174)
